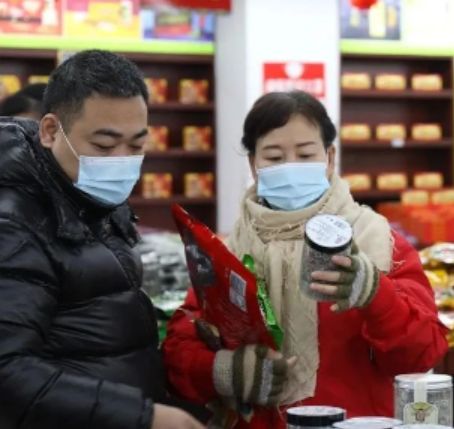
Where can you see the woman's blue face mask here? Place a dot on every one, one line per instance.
(294, 185)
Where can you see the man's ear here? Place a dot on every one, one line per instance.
(253, 167)
(48, 130)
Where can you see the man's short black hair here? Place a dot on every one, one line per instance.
(87, 74)
(274, 110)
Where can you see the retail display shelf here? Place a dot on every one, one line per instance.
(447, 143)
(180, 153)
(407, 94)
(180, 107)
(181, 200)
(377, 195)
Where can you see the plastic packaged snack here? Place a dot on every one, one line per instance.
(229, 294)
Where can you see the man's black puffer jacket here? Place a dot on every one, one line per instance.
(78, 340)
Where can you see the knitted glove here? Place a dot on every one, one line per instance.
(249, 376)
(358, 284)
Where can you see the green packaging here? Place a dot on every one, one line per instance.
(266, 308)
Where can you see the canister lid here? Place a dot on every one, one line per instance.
(328, 233)
(435, 381)
(368, 423)
(314, 416)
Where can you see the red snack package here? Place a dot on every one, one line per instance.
(227, 291)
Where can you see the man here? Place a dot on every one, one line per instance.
(78, 337)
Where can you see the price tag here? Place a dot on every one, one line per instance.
(397, 143)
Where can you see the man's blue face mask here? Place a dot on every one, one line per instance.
(293, 186)
(109, 179)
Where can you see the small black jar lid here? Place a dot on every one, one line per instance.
(329, 234)
(315, 417)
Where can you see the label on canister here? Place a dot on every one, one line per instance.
(420, 412)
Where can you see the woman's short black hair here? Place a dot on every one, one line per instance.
(275, 109)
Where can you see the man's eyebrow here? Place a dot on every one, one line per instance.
(115, 134)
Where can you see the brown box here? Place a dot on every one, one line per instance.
(197, 138)
(410, 198)
(356, 132)
(388, 132)
(358, 182)
(38, 79)
(9, 84)
(392, 181)
(356, 81)
(443, 197)
(426, 132)
(428, 181)
(199, 185)
(158, 139)
(194, 91)
(157, 185)
(157, 90)
(427, 82)
(391, 82)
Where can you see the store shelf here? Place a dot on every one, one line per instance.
(446, 94)
(180, 107)
(408, 144)
(181, 200)
(180, 153)
(376, 195)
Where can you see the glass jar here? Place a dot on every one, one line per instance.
(424, 399)
(423, 427)
(314, 417)
(325, 236)
(368, 423)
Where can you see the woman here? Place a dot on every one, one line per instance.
(345, 353)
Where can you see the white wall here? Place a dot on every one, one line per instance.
(259, 31)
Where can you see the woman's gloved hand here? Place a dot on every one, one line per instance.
(354, 285)
(252, 374)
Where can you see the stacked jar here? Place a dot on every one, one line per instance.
(424, 398)
(314, 417)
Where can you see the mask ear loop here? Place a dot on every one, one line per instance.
(67, 141)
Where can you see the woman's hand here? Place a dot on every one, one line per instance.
(253, 374)
(353, 285)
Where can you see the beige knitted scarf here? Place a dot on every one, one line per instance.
(275, 240)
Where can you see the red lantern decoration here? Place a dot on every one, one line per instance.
(363, 4)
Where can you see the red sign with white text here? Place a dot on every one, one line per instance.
(308, 77)
(220, 5)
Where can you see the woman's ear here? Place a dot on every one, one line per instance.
(331, 161)
(253, 167)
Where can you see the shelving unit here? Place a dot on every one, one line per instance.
(407, 107)
(154, 213)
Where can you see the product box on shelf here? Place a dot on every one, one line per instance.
(415, 197)
(158, 139)
(356, 132)
(392, 181)
(199, 185)
(358, 182)
(157, 185)
(426, 132)
(356, 81)
(38, 79)
(9, 84)
(194, 91)
(388, 132)
(445, 196)
(197, 138)
(429, 180)
(157, 90)
(391, 82)
(427, 82)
